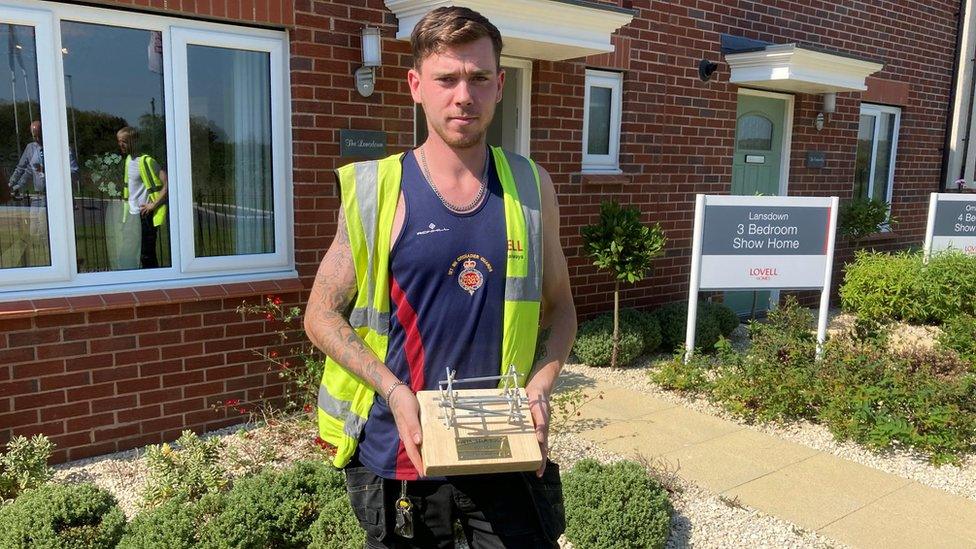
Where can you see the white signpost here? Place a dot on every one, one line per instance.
(952, 223)
(762, 243)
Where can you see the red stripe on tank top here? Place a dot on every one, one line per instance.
(414, 347)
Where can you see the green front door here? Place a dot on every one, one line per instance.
(756, 165)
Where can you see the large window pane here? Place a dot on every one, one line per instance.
(115, 116)
(230, 151)
(24, 238)
(598, 134)
(863, 161)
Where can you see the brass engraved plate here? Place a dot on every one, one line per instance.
(483, 448)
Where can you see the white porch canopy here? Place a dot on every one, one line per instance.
(800, 69)
(551, 30)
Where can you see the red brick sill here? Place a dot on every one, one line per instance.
(56, 305)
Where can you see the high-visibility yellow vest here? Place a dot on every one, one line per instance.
(370, 191)
(149, 180)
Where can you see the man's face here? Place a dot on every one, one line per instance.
(35, 129)
(459, 89)
(123, 143)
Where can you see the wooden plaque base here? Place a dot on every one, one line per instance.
(477, 443)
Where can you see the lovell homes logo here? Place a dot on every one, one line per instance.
(763, 273)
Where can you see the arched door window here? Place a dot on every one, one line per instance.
(754, 132)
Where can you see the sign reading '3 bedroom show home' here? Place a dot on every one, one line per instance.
(751, 242)
(762, 243)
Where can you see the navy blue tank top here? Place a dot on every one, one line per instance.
(447, 292)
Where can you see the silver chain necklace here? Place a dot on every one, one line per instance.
(456, 209)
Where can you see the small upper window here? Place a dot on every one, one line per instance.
(601, 122)
(755, 133)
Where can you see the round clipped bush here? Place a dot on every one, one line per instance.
(72, 516)
(337, 527)
(594, 342)
(673, 319)
(648, 325)
(727, 320)
(275, 508)
(174, 523)
(618, 505)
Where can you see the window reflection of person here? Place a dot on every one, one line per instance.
(30, 168)
(29, 246)
(145, 191)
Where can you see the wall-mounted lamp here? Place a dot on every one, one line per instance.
(372, 58)
(705, 69)
(829, 107)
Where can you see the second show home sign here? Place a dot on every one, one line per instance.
(762, 243)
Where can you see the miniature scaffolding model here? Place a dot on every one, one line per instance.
(472, 431)
(475, 406)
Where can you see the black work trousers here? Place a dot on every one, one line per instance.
(495, 511)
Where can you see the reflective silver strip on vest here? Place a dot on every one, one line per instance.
(369, 317)
(530, 287)
(367, 181)
(352, 424)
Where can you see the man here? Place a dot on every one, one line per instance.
(145, 189)
(449, 256)
(30, 247)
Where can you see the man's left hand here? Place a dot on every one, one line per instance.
(146, 209)
(540, 409)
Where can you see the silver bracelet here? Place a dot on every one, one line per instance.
(391, 389)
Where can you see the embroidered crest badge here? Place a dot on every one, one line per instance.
(470, 278)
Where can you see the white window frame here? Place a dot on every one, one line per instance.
(51, 109)
(182, 38)
(62, 277)
(603, 163)
(876, 111)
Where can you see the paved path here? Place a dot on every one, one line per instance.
(843, 500)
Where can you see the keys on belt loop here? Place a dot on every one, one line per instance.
(404, 514)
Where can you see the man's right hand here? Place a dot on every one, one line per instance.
(406, 412)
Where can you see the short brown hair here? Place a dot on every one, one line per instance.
(452, 26)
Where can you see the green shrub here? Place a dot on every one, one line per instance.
(75, 516)
(884, 287)
(618, 505)
(648, 325)
(728, 321)
(861, 217)
(881, 399)
(685, 377)
(951, 285)
(959, 334)
(776, 378)
(186, 472)
(24, 465)
(594, 342)
(275, 508)
(173, 523)
(337, 527)
(673, 319)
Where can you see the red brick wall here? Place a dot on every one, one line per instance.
(106, 376)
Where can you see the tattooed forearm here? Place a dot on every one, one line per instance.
(325, 320)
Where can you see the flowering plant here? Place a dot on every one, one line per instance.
(104, 170)
(296, 360)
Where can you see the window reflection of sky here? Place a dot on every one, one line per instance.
(109, 69)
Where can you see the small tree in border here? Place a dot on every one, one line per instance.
(625, 247)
